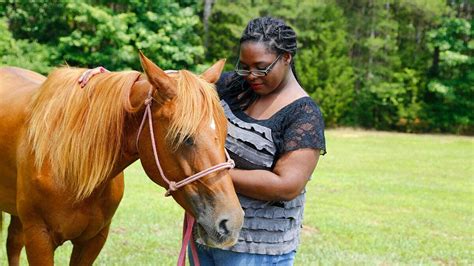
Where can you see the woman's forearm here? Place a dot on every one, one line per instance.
(285, 182)
(265, 185)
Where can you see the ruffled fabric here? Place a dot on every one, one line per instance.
(252, 156)
(247, 202)
(266, 248)
(260, 143)
(259, 223)
(270, 227)
(267, 132)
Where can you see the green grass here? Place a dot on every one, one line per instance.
(375, 199)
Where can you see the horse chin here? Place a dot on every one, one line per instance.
(213, 239)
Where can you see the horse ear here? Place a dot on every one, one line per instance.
(213, 73)
(158, 78)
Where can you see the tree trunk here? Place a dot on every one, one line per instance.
(206, 14)
(434, 68)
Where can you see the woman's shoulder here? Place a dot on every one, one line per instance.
(222, 85)
(224, 79)
(303, 126)
(302, 106)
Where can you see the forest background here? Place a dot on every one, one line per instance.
(403, 65)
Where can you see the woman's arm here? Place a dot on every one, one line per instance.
(286, 182)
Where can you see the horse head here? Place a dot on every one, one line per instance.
(188, 129)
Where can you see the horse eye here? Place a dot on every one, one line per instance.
(188, 141)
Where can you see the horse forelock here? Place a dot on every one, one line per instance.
(79, 132)
(196, 102)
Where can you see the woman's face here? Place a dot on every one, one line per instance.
(257, 56)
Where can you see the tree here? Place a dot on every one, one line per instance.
(95, 33)
(322, 64)
(450, 98)
(226, 24)
(205, 20)
(22, 53)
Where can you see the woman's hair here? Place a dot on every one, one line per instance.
(278, 37)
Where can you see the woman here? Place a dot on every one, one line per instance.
(275, 136)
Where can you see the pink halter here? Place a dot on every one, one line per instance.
(173, 186)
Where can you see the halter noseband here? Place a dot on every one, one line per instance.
(172, 185)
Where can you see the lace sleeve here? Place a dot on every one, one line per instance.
(305, 129)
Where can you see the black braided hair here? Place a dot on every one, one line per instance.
(278, 37)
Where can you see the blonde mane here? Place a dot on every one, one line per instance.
(196, 103)
(78, 132)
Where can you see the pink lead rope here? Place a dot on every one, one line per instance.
(187, 235)
(173, 186)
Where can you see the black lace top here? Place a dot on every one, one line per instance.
(269, 227)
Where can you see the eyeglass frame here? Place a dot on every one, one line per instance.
(256, 73)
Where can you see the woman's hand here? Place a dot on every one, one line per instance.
(89, 74)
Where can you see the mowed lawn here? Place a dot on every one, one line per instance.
(376, 198)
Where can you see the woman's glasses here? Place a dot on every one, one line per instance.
(256, 73)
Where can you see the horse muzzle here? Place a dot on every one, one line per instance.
(221, 232)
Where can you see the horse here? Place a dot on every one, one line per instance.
(64, 148)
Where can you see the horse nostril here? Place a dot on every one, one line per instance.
(223, 227)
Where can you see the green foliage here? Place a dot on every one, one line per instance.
(377, 64)
(166, 33)
(388, 48)
(450, 101)
(172, 37)
(41, 21)
(322, 65)
(5, 37)
(393, 104)
(88, 34)
(22, 53)
(227, 23)
(414, 19)
(97, 37)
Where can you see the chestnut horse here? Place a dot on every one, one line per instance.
(63, 150)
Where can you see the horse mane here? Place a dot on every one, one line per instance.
(79, 132)
(196, 102)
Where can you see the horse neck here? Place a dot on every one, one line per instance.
(128, 151)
